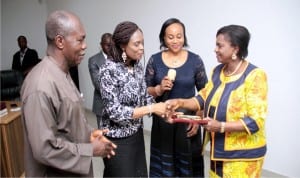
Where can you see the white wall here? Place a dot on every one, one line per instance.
(274, 46)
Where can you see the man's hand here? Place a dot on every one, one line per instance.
(97, 133)
(101, 145)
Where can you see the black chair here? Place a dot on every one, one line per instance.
(11, 82)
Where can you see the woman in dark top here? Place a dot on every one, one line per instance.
(126, 101)
(175, 149)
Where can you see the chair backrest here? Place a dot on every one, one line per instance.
(11, 82)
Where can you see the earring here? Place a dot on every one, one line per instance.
(124, 56)
(233, 57)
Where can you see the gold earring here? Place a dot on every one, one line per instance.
(124, 56)
(233, 57)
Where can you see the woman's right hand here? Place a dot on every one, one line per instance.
(172, 105)
(159, 108)
(166, 112)
(166, 84)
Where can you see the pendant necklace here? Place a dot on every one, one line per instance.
(175, 61)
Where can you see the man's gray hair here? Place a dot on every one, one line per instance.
(58, 23)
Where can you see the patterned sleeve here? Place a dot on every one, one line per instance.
(150, 73)
(108, 82)
(256, 101)
(200, 77)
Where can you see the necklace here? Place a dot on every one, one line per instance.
(174, 62)
(235, 70)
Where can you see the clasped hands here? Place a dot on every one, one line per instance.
(101, 145)
(212, 125)
(170, 110)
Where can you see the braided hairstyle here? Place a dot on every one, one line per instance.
(121, 37)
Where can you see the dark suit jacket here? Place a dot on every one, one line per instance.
(30, 59)
(94, 64)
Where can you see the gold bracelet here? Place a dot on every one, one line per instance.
(222, 129)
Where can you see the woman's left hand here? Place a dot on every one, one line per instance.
(212, 125)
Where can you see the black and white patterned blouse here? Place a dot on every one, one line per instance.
(121, 92)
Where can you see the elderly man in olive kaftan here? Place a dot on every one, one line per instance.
(57, 135)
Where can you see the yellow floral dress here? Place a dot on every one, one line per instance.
(241, 98)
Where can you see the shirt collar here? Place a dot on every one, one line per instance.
(104, 55)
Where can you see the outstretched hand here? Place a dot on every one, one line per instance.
(170, 107)
(159, 108)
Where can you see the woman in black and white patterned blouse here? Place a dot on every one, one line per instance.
(126, 101)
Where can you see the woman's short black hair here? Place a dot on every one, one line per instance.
(238, 36)
(163, 32)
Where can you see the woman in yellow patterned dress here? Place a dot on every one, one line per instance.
(234, 102)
